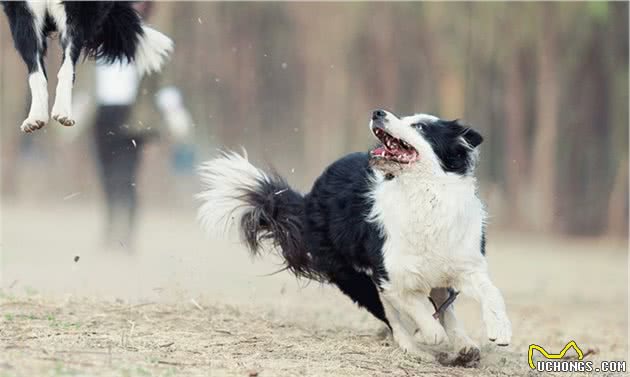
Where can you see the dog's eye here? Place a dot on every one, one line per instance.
(417, 126)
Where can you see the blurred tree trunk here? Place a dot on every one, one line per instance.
(617, 223)
(324, 86)
(543, 159)
(451, 89)
(515, 159)
(13, 107)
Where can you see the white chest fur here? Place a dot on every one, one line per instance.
(432, 230)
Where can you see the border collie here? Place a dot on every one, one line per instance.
(397, 229)
(112, 31)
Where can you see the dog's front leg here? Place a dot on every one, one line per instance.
(404, 338)
(467, 352)
(420, 310)
(400, 333)
(478, 285)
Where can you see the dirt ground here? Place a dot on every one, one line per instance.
(185, 305)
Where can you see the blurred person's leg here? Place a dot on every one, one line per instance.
(110, 145)
(124, 181)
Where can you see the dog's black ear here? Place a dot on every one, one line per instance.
(472, 137)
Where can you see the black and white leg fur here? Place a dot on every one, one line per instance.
(27, 28)
(71, 45)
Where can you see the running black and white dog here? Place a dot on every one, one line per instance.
(391, 228)
(109, 30)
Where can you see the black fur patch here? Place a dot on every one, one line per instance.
(346, 247)
(323, 235)
(277, 216)
(117, 36)
(483, 240)
(23, 33)
(444, 137)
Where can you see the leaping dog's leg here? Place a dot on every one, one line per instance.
(62, 109)
(38, 114)
(27, 20)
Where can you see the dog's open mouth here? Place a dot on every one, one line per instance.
(393, 149)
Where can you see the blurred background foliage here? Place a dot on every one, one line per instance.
(294, 83)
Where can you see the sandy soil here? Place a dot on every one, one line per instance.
(182, 304)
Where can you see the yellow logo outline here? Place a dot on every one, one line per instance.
(553, 356)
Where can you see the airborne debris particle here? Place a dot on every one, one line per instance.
(284, 65)
(72, 195)
(133, 141)
(192, 300)
(76, 258)
(199, 20)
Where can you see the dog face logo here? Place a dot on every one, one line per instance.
(423, 143)
(553, 356)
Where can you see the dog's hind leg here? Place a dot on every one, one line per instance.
(27, 28)
(71, 38)
(467, 351)
(362, 290)
(62, 109)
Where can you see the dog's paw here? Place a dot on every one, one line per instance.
(499, 329)
(33, 123)
(64, 120)
(467, 357)
(432, 333)
(406, 344)
(460, 340)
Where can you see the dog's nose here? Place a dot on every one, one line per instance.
(378, 114)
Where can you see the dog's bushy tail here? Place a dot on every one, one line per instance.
(261, 206)
(124, 37)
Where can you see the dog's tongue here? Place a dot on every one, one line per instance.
(380, 151)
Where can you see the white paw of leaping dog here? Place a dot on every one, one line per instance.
(33, 123)
(64, 120)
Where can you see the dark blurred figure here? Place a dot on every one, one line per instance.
(119, 141)
(118, 156)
